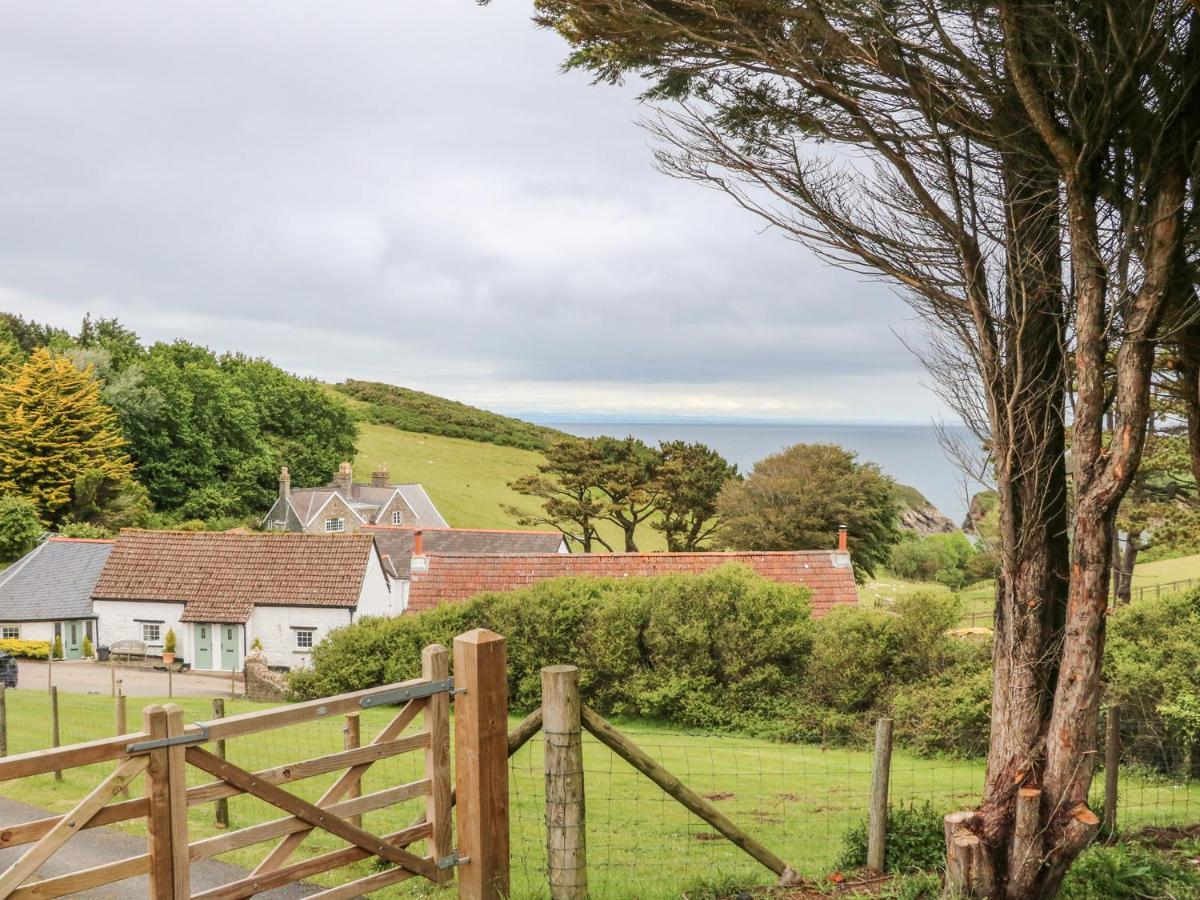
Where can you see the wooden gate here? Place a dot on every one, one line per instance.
(167, 747)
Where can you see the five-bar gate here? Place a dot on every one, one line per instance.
(168, 747)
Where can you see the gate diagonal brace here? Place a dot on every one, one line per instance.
(415, 692)
(192, 737)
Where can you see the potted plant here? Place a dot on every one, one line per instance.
(168, 656)
(88, 650)
(57, 649)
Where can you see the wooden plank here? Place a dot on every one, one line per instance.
(83, 880)
(566, 832)
(881, 770)
(336, 791)
(481, 763)
(640, 760)
(158, 820)
(38, 762)
(32, 859)
(24, 832)
(177, 801)
(265, 831)
(435, 666)
(312, 814)
(107, 873)
(298, 713)
(362, 886)
(257, 884)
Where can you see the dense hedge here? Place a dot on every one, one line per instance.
(726, 649)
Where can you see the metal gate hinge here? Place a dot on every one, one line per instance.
(192, 737)
(449, 862)
(413, 692)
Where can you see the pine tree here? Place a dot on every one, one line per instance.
(54, 429)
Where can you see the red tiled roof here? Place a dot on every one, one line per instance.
(222, 576)
(452, 579)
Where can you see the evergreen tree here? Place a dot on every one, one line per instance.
(53, 429)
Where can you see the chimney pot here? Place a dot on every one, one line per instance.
(843, 531)
(418, 543)
(344, 479)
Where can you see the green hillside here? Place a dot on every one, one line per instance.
(468, 480)
(409, 410)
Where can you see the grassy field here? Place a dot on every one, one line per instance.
(796, 799)
(468, 480)
(1165, 571)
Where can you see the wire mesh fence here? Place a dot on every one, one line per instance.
(798, 800)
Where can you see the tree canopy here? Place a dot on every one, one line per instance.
(797, 499)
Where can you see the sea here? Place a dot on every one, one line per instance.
(911, 454)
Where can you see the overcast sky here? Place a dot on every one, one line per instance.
(409, 192)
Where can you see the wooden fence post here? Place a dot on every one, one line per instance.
(121, 721)
(566, 831)
(177, 802)
(435, 666)
(881, 770)
(3, 721)
(1112, 765)
(222, 810)
(54, 735)
(481, 764)
(158, 819)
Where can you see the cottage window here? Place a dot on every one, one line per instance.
(151, 632)
(10, 632)
(397, 518)
(335, 524)
(304, 638)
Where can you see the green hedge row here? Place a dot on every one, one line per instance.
(726, 650)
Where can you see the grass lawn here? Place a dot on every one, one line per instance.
(978, 599)
(796, 799)
(468, 480)
(1165, 571)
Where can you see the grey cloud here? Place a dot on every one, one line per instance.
(412, 181)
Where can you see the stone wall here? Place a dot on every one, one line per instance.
(261, 683)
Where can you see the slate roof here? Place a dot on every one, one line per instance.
(53, 581)
(368, 499)
(452, 579)
(396, 543)
(222, 576)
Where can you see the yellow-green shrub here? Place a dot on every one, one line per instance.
(27, 649)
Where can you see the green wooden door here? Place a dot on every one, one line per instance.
(229, 647)
(204, 636)
(73, 640)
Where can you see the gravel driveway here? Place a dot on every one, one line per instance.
(136, 681)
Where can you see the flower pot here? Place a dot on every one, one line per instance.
(169, 658)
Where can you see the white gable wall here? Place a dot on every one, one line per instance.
(378, 596)
(275, 627)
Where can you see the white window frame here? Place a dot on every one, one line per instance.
(397, 517)
(310, 633)
(335, 525)
(4, 632)
(146, 638)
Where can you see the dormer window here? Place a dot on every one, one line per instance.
(334, 525)
(397, 518)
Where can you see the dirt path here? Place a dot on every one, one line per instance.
(97, 846)
(136, 681)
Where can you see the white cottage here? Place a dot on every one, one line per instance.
(220, 592)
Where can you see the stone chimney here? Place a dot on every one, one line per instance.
(843, 532)
(344, 478)
(381, 477)
(285, 484)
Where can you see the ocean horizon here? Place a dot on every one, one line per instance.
(912, 454)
